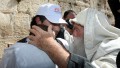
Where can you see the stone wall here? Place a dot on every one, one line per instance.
(15, 16)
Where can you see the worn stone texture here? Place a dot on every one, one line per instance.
(15, 16)
(21, 24)
(8, 5)
(5, 25)
(2, 47)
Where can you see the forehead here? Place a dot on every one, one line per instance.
(77, 25)
(47, 21)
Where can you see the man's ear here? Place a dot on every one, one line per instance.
(37, 20)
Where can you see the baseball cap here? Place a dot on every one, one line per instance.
(81, 17)
(52, 12)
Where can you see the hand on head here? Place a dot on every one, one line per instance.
(40, 37)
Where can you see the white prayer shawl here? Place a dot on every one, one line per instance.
(69, 39)
(102, 41)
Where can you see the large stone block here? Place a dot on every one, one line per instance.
(30, 6)
(67, 1)
(2, 47)
(8, 5)
(21, 24)
(65, 6)
(5, 25)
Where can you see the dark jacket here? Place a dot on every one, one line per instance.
(76, 61)
(61, 33)
(115, 6)
(118, 60)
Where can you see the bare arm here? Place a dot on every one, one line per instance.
(45, 41)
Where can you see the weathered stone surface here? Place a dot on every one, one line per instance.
(8, 5)
(21, 24)
(2, 47)
(30, 6)
(5, 25)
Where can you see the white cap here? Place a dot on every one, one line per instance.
(81, 17)
(52, 12)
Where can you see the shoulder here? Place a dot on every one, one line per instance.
(25, 54)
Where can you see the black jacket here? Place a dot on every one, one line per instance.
(76, 61)
(118, 60)
(115, 6)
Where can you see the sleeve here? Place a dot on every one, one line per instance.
(76, 61)
(106, 54)
(105, 62)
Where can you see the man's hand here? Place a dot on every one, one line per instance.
(45, 41)
(40, 37)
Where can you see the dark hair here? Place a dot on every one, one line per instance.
(67, 12)
(33, 22)
(69, 25)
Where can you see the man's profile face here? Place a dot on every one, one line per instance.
(78, 30)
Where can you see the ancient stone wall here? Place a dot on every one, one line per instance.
(15, 16)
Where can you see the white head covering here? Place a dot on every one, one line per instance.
(23, 55)
(80, 18)
(96, 30)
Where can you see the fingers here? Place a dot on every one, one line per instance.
(50, 28)
(31, 42)
(51, 31)
(32, 39)
(34, 32)
(53, 34)
(37, 28)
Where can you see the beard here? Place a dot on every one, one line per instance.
(78, 46)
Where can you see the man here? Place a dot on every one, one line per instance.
(69, 14)
(48, 14)
(24, 55)
(101, 42)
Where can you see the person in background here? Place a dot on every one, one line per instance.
(101, 42)
(115, 8)
(24, 55)
(69, 14)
